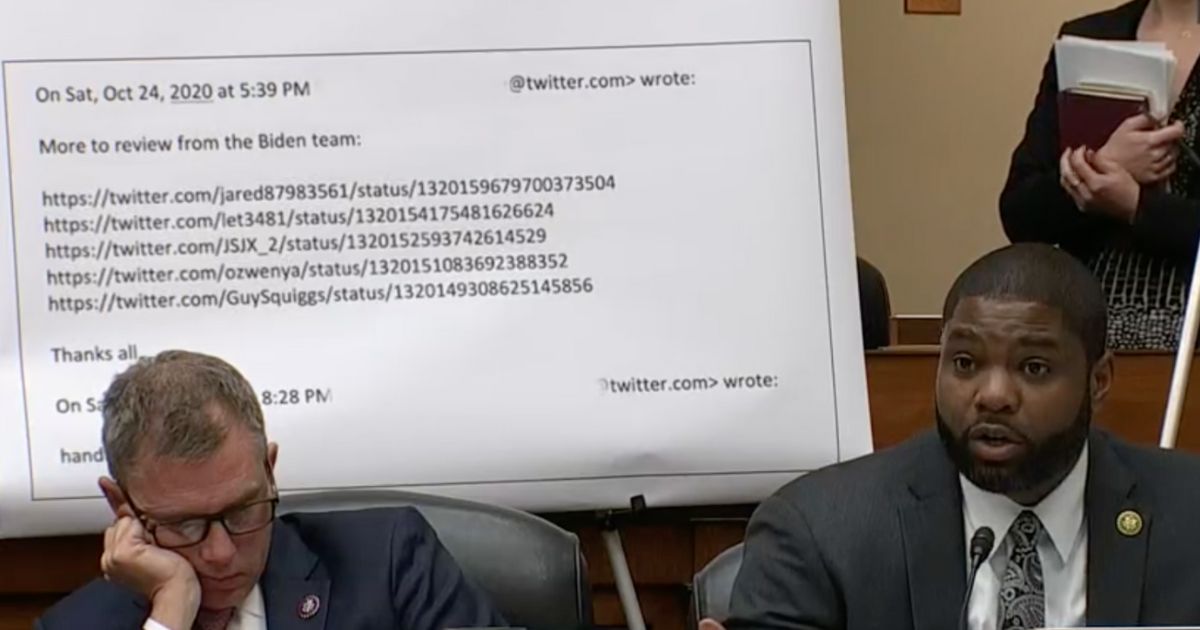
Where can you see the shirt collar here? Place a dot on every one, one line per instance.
(253, 605)
(1061, 512)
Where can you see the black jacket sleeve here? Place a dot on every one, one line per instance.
(431, 592)
(1033, 205)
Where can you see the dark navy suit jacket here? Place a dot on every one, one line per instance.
(878, 542)
(378, 568)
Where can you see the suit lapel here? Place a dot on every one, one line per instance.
(934, 549)
(294, 585)
(1116, 564)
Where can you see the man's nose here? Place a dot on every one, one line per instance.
(998, 393)
(217, 548)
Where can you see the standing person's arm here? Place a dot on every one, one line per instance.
(1033, 205)
(1036, 206)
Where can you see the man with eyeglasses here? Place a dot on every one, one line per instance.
(196, 542)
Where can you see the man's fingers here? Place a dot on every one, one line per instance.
(127, 535)
(124, 525)
(137, 531)
(110, 535)
(110, 543)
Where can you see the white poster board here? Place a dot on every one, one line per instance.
(547, 254)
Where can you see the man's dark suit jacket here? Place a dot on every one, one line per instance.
(379, 568)
(878, 542)
(1033, 205)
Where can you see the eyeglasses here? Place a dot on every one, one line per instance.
(244, 519)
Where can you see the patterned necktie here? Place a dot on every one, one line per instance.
(1022, 591)
(218, 620)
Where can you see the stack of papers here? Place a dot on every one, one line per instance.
(1126, 67)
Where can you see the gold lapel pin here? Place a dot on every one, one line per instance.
(1129, 523)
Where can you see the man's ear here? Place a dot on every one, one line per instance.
(272, 455)
(1101, 379)
(117, 502)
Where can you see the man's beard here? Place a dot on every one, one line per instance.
(1052, 459)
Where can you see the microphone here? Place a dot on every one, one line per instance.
(981, 545)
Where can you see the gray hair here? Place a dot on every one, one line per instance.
(177, 404)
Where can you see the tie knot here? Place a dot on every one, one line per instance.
(214, 620)
(1025, 530)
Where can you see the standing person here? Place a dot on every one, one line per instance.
(1131, 210)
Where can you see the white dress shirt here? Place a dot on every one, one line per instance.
(251, 615)
(1062, 547)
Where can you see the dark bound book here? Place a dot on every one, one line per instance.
(1086, 117)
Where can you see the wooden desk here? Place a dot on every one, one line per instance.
(670, 545)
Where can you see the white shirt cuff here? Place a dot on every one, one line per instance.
(153, 625)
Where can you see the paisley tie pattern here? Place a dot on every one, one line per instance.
(1022, 591)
